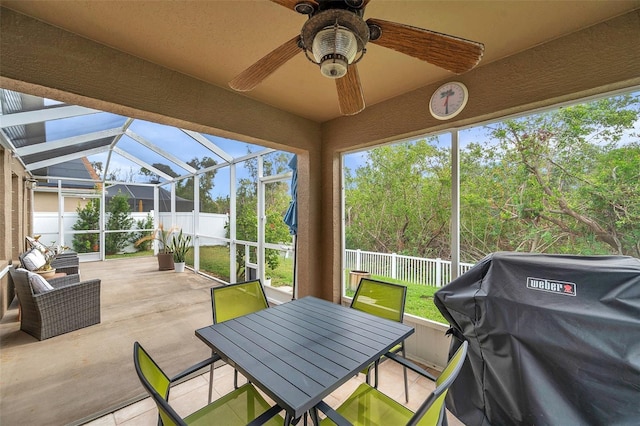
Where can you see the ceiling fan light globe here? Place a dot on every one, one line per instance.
(333, 67)
(335, 41)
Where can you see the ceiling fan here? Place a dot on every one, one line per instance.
(335, 38)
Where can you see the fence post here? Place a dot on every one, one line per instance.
(358, 260)
(394, 265)
(438, 272)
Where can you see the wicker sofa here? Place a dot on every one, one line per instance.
(69, 306)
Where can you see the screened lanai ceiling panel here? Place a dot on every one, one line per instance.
(46, 157)
(172, 165)
(82, 125)
(171, 142)
(53, 139)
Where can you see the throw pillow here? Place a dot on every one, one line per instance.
(34, 259)
(38, 284)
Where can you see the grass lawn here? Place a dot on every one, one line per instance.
(214, 260)
(136, 254)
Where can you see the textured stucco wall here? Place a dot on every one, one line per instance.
(15, 219)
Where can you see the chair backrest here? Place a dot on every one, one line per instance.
(432, 411)
(156, 383)
(28, 307)
(380, 298)
(234, 300)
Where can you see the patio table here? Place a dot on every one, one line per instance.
(301, 351)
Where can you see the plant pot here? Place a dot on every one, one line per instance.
(165, 261)
(267, 281)
(179, 266)
(48, 273)
(355, 277)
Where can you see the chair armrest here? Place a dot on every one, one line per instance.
(266, 416)
(410, 365)
(64, 281)
(77, 303)
(195, 367)
(332, 414)
(69, 270)
(69, 291)
(66, 262)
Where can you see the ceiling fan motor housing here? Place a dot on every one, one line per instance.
(334, 37)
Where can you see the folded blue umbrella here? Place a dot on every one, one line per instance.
(291, 216)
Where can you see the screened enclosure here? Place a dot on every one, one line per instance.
(101, 182)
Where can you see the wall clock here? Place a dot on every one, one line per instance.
(448, 100)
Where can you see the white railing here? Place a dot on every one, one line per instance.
(417, 270)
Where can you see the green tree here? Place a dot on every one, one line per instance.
(153, 177)
(574, 183)
(184, 187)
(88, 219)
(146, 223)
(276, 203)
(118, 218)
(400, 200)
(564, 181)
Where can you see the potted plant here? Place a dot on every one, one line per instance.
(180, 245)
(165, 255)
(49, 252)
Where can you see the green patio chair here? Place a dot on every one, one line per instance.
(385, 300)
(368, 406)
(242, 406)
(232, 301)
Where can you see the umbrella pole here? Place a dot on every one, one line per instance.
(295, 267)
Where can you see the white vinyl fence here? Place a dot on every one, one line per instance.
(212, 226)
(417, 270)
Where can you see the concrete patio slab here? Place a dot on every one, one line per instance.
(73, 376)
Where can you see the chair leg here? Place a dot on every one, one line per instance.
(211, 379)
(314, 417)
(406, 382)
(375, 373)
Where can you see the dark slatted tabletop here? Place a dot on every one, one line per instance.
(301, 351)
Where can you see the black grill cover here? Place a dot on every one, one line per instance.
(553, 340)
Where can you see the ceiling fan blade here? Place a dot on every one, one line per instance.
(350, 94)
(455, 54)
(252, 76)
(290, 4)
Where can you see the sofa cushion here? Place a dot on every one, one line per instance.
(34, 259)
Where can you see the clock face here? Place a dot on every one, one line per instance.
(448, 100)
